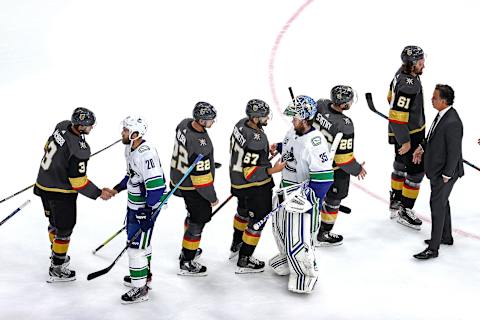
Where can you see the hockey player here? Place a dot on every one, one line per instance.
(145, 184)
(62, 175)
(330, 120)
(406, 131)
(308, 162)
(198, 192)
(251, 182)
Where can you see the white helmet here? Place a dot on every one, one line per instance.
(135, 124)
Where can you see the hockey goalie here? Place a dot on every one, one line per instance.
(305, 181)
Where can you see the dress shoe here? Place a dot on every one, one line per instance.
(426, 254)
(448, 243)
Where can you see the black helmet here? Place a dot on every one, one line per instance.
(204, 111)
(83, 117)
(341, 94)
(412, 54)
(257, 108)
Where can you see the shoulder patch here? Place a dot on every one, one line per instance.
(143, 148)
(316, 141)
(409, 81)
(202, 142)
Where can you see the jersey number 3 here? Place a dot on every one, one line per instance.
(49, 153)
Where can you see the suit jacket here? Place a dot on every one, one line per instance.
(443, 151)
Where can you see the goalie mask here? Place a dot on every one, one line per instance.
(302, 107)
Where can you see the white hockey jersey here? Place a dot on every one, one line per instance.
(307, 158)
(146, 182)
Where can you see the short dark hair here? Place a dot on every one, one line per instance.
(446, 92)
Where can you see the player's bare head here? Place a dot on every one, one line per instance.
(343, 96)
(413, 59)
(258, 111)
(204, 114)
(133, 128)
(83, 120)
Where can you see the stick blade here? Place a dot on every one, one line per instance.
(99, 273)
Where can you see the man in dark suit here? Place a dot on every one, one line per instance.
(443, 166)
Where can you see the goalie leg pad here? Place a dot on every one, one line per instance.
(279, 264)
(300, 253)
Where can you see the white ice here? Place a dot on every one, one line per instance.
(156, 59)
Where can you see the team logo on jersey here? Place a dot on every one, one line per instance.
(203, 142)
(83, 144)
(289, 158)
(409, 81)
(256, 136)
(316, 141)
(347, 120)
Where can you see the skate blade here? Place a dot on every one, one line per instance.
(233, 255)
(141, 299)
(406, 224)
(248, 270)
(327, 244)
(55, 280)
(190, 274)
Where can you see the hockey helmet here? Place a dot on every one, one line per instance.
(412, 54)
(135, 124)
(257, 108)
(342, 94)
(83, 117)
(302, 107)
(204, 111)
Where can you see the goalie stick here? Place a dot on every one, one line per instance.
(371, 106)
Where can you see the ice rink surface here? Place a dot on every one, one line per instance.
(157, 59)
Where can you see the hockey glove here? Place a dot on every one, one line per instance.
(144, 217)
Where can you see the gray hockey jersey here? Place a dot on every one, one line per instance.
(330, 122)
(63, 169)
(189, 143)
(249, 162)
(407, 115)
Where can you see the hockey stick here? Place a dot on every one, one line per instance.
(370, 104)
(108, 240)
(30, 186)
(99, 273)
(14, 212)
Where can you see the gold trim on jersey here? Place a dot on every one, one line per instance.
(203, 180)
(398, 116)
(251, 184)
(343, 158)
(54, 189)
(79, 182)
(391, 134)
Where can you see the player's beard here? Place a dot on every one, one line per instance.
(125, 141)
